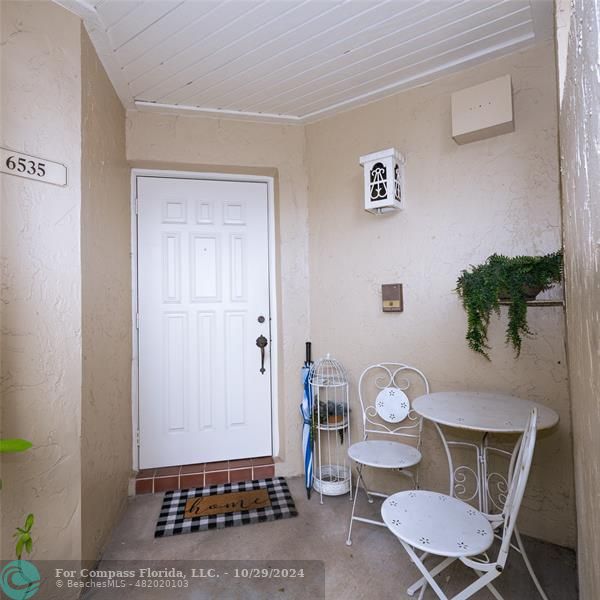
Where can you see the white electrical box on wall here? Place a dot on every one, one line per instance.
(482, 111)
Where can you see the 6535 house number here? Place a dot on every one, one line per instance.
(32, 167)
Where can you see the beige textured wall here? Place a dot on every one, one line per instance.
(106, 444)
(463, 204)
(204, 144)
(562, 20)
(580, 143)
(41, 278)
(66, 288)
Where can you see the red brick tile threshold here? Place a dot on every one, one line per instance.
(154, 481)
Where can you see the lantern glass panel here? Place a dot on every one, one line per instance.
(378, 182)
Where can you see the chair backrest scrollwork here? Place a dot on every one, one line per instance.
(386, 391)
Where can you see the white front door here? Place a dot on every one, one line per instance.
(203, 301)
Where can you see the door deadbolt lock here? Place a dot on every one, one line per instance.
(261, 319)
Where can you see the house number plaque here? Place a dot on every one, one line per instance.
(32, 167)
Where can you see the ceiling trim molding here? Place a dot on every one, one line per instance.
(216, 113)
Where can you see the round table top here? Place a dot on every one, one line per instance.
(482, 411)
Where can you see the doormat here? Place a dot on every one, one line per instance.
(225, 505)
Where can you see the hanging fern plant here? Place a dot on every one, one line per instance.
(515, 279)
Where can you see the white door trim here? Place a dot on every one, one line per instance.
(274, 347)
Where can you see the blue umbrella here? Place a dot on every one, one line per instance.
(306, 410)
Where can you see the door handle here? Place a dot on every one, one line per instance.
(261, 342)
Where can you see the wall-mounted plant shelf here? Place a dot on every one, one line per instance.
(537, 302)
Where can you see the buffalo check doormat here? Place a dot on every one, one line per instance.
(225, 505)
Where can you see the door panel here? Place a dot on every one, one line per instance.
(203, 281)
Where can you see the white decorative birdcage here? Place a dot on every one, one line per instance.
(331, 426)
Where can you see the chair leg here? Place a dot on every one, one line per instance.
(483, 581)
(528, 565)
(426, 574)
(358, 479)
(490, 587)
(494, 592)
(364, 485)
(414, 477)
(435, 571)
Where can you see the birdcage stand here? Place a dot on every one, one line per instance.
(331, 427)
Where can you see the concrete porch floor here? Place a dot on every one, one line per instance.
(374, 567)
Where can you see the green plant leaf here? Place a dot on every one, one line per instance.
(14, 445)
(23, 536)
(29, 522)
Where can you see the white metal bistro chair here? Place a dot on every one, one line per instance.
(441, 525)
(387, 416)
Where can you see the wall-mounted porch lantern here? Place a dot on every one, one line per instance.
(384, 181)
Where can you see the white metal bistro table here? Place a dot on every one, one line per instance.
(483, 413)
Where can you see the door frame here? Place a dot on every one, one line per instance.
(273, 342)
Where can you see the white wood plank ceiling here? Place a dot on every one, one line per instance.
(296, 60)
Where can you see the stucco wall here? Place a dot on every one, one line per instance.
(106, 444)
(580, 165)
(463, 204)
(41, 278)
(204, 144)
(562, 20)
(66, 288)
